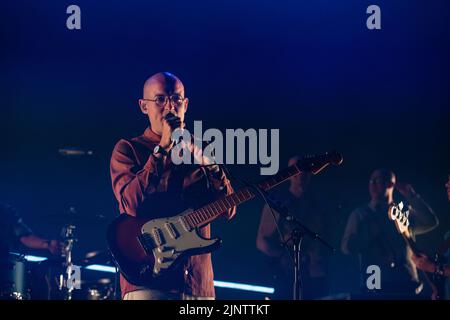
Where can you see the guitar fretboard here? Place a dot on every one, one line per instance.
(209, 212)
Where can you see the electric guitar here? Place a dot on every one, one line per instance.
(401, 220)
(146, 249)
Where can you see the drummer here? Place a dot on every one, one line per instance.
(13, 232)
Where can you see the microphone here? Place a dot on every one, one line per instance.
(75, 152)
(170, 116)
(316, 163)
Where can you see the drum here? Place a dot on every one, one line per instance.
(100, 289)
(98, 293)
(15, 278)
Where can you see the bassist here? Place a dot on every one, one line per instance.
(374, 239)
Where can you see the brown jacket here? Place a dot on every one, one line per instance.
(145, 186)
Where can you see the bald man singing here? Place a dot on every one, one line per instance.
(147, 184)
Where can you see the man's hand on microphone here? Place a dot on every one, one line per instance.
(170, 123)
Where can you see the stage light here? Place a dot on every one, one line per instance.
(241, 286)
(217, 283)
(35, 258)
(30, 257)
(99, 267)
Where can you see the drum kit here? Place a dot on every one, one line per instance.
(58, 278)
(66, 277)
(15, 278)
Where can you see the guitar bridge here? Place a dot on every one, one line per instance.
(146, 241)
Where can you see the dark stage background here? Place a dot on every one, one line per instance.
(310, 68)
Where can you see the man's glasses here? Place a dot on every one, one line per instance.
(161, 100)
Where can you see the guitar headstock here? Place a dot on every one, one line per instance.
(316, 163)
(400, 218)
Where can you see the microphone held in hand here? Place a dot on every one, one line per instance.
(170, 117)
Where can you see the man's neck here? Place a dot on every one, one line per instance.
(151, 135)
(154, 131)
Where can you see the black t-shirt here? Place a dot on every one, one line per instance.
(380, 244)
(12, 229)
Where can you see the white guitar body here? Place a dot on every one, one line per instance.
(171, 238)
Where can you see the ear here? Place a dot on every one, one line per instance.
(143, 106)
(186, 103)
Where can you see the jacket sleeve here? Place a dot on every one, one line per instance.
(132, 185)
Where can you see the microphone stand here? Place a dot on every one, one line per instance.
(313, 165)
(66, 283)
(297, 236)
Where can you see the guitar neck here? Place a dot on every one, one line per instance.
(402, 223)
(410, 242)
(210, 212)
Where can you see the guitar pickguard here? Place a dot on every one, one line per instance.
(170, 238)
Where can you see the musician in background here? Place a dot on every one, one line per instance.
(373, 237)
(424, 263)
(147, 184)
(14, 232)
(301, 202)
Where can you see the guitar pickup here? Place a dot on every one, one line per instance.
(165, 249)
(184, 224)
(164, 259)
(158, 237)
(172, 231)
